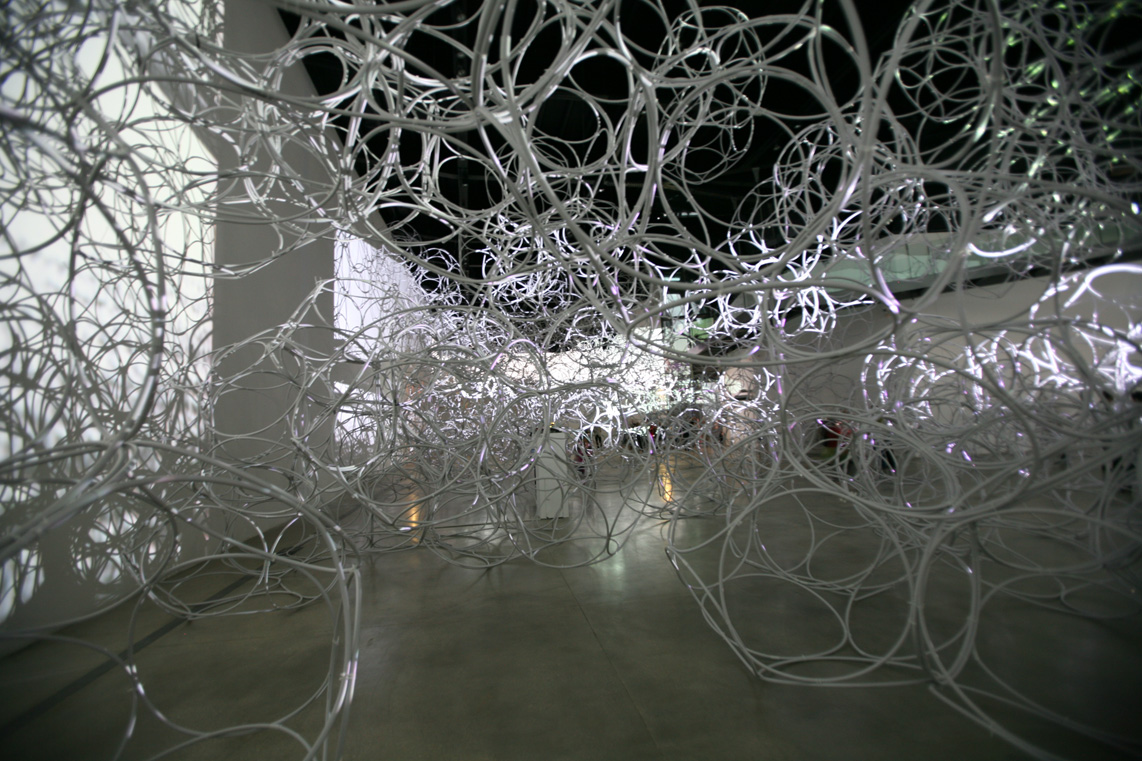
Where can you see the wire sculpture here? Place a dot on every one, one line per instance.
(738, 268)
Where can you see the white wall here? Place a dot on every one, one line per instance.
(249, 415)
(78, 566)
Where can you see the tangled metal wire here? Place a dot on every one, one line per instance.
(867, 307)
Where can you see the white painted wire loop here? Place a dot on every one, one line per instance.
(691, 266)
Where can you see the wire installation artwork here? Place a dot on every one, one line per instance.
(859, 299)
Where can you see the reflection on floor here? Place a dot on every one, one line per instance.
(525, 661)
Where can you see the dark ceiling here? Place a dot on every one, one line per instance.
(439, 47)
(567, 117)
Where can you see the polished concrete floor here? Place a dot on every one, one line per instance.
(519, 661)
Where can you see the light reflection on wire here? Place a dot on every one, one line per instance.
(983, 145)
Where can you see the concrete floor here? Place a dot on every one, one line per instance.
(610, 661)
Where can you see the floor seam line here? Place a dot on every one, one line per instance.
(614, 670)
